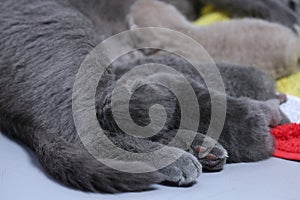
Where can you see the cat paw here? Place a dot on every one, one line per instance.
(271, 111)
(213, 161)
(183, 172)
(212, 157)
(281, 97)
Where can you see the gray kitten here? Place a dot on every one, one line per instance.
(226, 41)
(285, 12)
(43, 43)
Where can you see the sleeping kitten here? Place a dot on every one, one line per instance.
(44, 42)
(285, 12)
(273, 48)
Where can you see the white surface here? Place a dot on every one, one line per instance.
(292, 109)
(22, 178)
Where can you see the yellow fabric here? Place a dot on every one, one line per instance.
(210, 15)
(290, 85)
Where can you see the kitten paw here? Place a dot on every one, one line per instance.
(271, 111)
(212, 157)
(213, 161)
(281, 97)
(182, 172)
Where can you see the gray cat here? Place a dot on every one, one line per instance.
(285, 12)
(44, 42)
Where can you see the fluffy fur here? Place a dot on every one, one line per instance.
(189, 8)
(293, 5)
(271, 47)
(285, 12)
(43, 43)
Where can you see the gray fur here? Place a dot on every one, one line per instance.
(42, 46)
(293, 5)
(249, 110)
(43, 43)
(272, 47)
(285, 12)
(189, 8)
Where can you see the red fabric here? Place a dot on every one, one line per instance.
(287, 141)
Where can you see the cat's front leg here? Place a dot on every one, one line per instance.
(178, 167)
(246, 134)
(208, 151)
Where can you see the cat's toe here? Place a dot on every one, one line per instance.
(183, 172)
